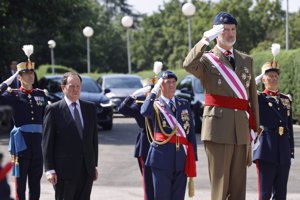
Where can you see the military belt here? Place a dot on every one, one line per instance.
(280, 130)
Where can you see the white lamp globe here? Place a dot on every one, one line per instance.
(88, 31)
(127, 21)
(188, 9)
(52, 44)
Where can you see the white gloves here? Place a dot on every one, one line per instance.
(214, 32)
(258, 78)
(11, 79)
(156, 87)
(140, 91)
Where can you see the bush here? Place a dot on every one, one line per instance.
(47, 69)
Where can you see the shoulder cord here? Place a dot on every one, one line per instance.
(150, 133)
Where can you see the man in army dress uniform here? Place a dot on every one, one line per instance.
(25, 138)
(173, 150)
(231, 107)
(131, 107)
(274, 148)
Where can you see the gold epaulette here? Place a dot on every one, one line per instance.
(287, 96)
(10, 90)
(44, 90)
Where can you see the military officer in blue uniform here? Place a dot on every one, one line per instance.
(274, 146)
(25, 138)
(131, 107)
(173, 150)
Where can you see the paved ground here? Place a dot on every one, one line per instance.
(120, 177)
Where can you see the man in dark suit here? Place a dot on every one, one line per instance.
(70, 142)
(173, 150)
(230, 97)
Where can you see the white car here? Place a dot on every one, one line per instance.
(118, 86)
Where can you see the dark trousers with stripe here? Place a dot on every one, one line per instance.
(272, 180)
(147, 179)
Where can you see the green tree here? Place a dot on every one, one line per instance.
(35, 22)
(267, 18)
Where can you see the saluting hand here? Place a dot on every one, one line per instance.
(52, 178)
(11, 79)
(140, 91)
(214, 32)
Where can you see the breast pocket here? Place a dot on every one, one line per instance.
(214, 79)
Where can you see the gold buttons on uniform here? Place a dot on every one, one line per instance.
(32, 118)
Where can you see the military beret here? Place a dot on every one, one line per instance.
(224, 18)
(167, 75)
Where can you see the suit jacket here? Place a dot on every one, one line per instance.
(63, 148)
(275, 148)
(166, 156)
(223, 125)
(130, 107)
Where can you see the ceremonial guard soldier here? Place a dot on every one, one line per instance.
(25, 139)
(274, 147)
(231, 107)
(173, 150)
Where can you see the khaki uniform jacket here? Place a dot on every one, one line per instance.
(223, 125)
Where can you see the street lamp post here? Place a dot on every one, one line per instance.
(188, 9)
(127, 22)
(88, 32)
(52, 45)
(287, 26)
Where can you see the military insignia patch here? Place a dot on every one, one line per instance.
(219, 82)
(244, 76)
(164, 123)
(185, 115)
(40, 101)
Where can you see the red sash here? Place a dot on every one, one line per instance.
(232, 103)
(190, 164)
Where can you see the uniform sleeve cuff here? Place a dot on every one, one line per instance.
(52, 171)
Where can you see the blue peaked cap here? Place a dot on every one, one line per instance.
(167, 74)
(224, 18)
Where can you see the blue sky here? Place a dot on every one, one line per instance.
(150, 6)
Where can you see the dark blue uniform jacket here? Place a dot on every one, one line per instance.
(275, 113)
(166, 156)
